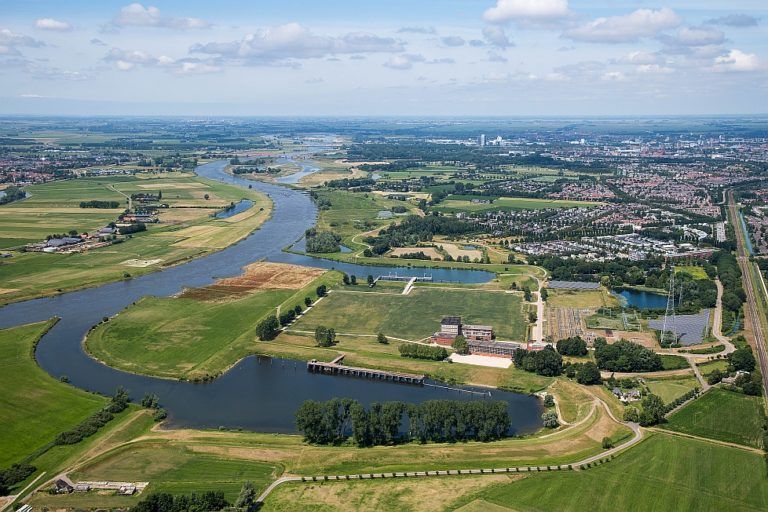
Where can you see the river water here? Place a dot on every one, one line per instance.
(259, 393)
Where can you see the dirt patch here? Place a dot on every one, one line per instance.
(140, 263)
(3, 291)
(257, 276)
(428, 251)
(459, 252)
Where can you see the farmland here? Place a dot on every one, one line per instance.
(417, 315)
(186, 230)
(707, 415)
(34, 406)
(201, 333)
(662, 473)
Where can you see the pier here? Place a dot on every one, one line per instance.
(335, 367)
(394, 277)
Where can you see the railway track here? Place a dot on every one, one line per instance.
(749, 288)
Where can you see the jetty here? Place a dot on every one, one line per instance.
(337, 368)
(394, 277)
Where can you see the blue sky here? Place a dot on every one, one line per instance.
(395, 57)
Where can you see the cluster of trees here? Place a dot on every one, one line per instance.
(13, 475)
(359, 184)
(99, 204)
(268, 328)
(545, 362)
(93, 423)
(322, 241)
(416, 351)
(652, 411)
(12, 194)
(616, 272)
(740, 360)
(165, 502)
(574, 346)
(137, 227)
(415, 229)
(733, 294)
(325, 336)
(289, 315)
(625, 356)
(460, 345)
(415, 256)
(331, 422)
(152, 401)
(585, 373)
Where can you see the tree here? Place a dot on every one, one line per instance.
(308, 301)
(246, 501)
(653, 410)
(544, 294)
(297, 309)
(370, 280)
(527, 293)
(268, 328)
(549, 400)
(206, 197)
(574, 346)
(150, 401)
(460, 345)
(321, 290)
(345, 279)
(588, 374)
(742, 359)
(353, 280)
(532, 317)
(607, 443)
(382, 339)
(324, 336)
(549, 419)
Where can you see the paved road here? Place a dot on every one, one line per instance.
(749, 288)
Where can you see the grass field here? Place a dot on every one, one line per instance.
(417, 315)
(710, 366)
(508, 203)
(186, 337)
(670, 389)
(693, 271)
(723, 415)
(186, 230)
(662, 473)
(34, 407)
(671, 362)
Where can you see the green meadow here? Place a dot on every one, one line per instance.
(34, 406)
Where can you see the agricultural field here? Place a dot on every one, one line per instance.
(508, 204)
(680, 474)
(722, 415)
(34, 406)
(417, 315)
(670, 389)
(187, 230)
(204, 331)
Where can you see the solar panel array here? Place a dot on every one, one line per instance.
(690, 328)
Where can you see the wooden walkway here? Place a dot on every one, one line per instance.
(335, 367)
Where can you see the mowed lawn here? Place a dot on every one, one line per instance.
(723, 415)
(670, 389)
(182, 338)
(34, 406)
(662, 473)
(417, 315)
(168, 468)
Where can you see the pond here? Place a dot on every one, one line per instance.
(641, 299)
(234, 209)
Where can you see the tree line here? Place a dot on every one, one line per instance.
(336, 420)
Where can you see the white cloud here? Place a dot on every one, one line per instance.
(654, 69)
(528, 11)
(14, 39)
(614, 76)
(417, 30)
(136, 15)
(403, 61)
(734, 20)
(127, 60)
(495, 57)
(737, 61)
(453, 41)
(52, 24)
(695, 36)
(639, 58)
(293, 41)
(497, 36)
(627, 28)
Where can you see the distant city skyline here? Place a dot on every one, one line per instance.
(428, 58)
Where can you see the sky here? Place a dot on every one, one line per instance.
(393, 57)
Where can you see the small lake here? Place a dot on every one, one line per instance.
(233, 210)
(641, 299)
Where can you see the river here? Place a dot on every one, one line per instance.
(258, 393)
